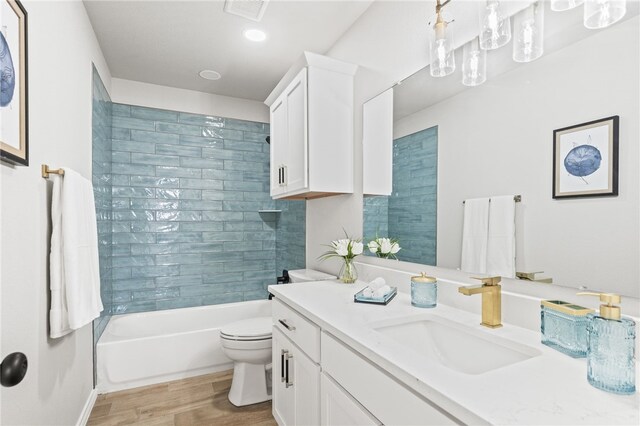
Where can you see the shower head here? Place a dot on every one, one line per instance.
(268, 140)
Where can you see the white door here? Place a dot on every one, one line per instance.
(296, 167)
(337, 407)
(283, 394)
(278, 145)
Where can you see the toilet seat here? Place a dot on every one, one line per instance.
(246, 345)
(247, 330)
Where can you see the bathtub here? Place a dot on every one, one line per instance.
(152, 347)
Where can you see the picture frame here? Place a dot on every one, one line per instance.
(585, 159)
(14, 126)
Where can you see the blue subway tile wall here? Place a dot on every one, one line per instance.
(376, 218)
(187, 189)
(413, 204)
(290, 235)
(102, 183)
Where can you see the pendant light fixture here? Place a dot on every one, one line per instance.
(562, 5)
(602, 13)
(528, 39)
(474, 64)
(495, 28)
(443, 60)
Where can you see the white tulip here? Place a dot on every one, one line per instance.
(385, 245)
(395, 248)
(357, 248)
(373, 246)
(342, 247)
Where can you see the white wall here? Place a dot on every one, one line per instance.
(497, 139)
(163, 97)
(62, 47)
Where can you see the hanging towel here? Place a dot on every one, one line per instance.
(474, 235)
(501, 246)
(74, 269)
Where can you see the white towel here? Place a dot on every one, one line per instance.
(74, 269)
(382, 291)
(474, 235)
(501, 246)
(377, 283)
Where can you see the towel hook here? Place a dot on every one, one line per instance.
(46, 171)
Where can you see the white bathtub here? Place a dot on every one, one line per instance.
(153, 347)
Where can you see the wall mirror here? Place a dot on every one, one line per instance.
(497, 139)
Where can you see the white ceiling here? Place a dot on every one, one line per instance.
(169, 42)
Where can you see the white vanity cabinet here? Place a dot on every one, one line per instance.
(317, 379)
(311, 116)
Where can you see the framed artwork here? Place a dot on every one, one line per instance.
(585, 159)
(14, 138)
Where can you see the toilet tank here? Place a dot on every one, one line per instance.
(308, 275)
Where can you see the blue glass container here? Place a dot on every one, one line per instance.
(611, 354)
(564, 327)
(424, 291)
(611, 347)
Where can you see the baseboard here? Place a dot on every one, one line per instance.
(88, 406)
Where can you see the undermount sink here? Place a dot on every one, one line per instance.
(456, 346)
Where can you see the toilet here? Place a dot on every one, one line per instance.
(248, 344)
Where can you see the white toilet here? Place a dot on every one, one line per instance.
(248, 344)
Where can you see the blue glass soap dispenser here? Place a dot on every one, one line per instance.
(610, 347)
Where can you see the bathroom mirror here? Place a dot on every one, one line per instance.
(497, 139)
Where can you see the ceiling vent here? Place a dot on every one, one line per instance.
(250, 9)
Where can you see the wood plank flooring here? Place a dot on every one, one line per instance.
(199, 400)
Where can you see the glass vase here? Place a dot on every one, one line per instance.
(348, 272)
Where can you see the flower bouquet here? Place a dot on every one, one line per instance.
(346, 248)
(385, 248)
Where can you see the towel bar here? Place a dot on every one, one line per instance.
(516, 198)
(46, 171)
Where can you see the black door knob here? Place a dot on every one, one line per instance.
(13, 369)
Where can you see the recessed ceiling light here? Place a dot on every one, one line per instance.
(255, 35)
(210, 75)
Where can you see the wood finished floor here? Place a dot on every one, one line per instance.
(199, 400)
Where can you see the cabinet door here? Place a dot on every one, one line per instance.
(296, 384)
(337, 407)
(377, 145)
(278, 145)
(283, 404)
(304, 376)
(296, 165)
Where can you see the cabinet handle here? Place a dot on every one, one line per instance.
(283, 352)
(287, 326)
(284, 175)
(279, 175)
(287, 383)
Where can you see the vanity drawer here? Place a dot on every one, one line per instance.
(388, 400)
(300, 330)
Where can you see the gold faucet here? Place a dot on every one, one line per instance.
(491, 300)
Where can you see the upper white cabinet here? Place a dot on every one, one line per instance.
(377, 144)
(312, 129)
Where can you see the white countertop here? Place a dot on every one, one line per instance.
(548, 389)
